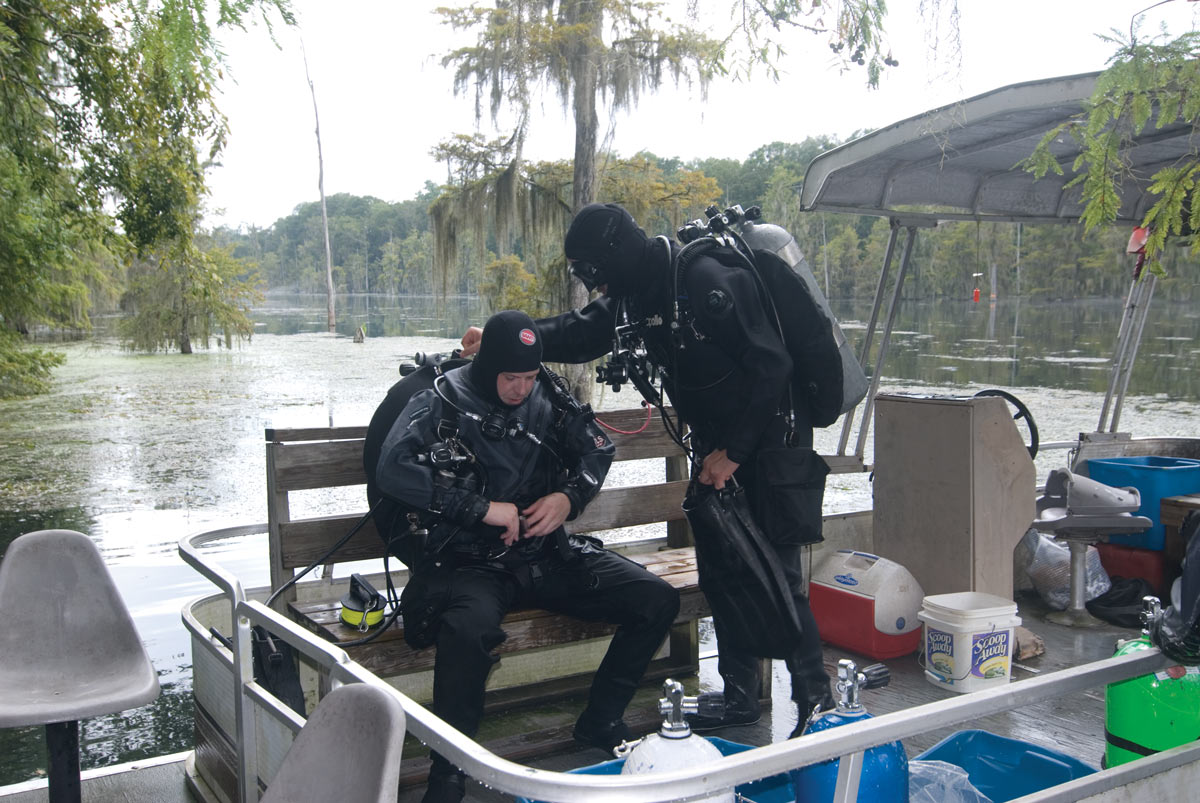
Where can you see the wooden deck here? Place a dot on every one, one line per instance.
(1073, 724)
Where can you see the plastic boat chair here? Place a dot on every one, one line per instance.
(1081, 511)
(68, 647)
(348, 751)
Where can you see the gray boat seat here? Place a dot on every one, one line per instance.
(1074, 506)
(348, 751)
(1081, 511)
(68, 647)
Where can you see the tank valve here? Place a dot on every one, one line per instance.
(674, 704)
(1151, 614)
(851, 681)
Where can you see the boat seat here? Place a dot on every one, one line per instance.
(1081, 511)
(348, 751)
(68, 647)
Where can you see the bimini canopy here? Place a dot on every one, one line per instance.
(959, 162)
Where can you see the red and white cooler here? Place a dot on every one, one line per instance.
(866, 604)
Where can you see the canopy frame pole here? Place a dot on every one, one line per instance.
(885, 339)
(865, 350)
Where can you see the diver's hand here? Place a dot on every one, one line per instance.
(717, 469)
(546, 514)
(471, 340)
(504, 514)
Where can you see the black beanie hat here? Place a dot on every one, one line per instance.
(510, 344)
(608, 237)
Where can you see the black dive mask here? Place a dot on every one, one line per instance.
(592, 276)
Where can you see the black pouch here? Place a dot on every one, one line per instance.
(422, 602)
(1121, 605)
(789, 490)
(275, 668)
(739, 574)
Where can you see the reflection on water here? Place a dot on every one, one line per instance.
(380, 316)
(1039, 345)
(139, 450)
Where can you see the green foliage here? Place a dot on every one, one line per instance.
(104, 105)
(375, 245)
(187, 297)
(524, 211)
(629, 43)
(24, 371)
(763, 30)
(509, 286)
(1157, 83)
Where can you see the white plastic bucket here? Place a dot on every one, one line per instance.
(968, 640)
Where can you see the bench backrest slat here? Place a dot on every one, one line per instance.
(318, 464)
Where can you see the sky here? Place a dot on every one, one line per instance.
(384, 100)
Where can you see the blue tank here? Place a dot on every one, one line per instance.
(884, 776)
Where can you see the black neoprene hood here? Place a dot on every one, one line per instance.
(608, 237)
(510, 344)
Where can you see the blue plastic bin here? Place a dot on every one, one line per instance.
(1003, 768)
(1155, 478)
(774, 789)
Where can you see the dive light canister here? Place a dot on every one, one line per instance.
(362, 606)
(1150, 713)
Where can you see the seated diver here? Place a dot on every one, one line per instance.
(501, 456)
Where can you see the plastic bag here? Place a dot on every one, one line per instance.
(1048, 564)
(941, 782)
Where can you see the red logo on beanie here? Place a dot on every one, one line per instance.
(527, 337)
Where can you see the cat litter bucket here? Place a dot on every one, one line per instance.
(968, 640)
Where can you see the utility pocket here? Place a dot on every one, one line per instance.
(791, 488)
(421, 604)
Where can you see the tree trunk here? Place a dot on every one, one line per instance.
(586, 76)
(331, 319)
(185, 317)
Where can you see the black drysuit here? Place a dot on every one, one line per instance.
(474, 581)
(727, 377)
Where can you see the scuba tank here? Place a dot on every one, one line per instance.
(884, 776)
(675, 747)
(779, 241)
(1151, 713)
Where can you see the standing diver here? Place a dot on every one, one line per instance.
(726, 372)
(499, 456)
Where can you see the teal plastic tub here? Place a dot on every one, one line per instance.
(1003, 768)
(1155, 478)
(775, 789)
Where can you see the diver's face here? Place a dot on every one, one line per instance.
(514, 388)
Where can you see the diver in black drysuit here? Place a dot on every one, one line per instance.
(727, 378)
(473, 572)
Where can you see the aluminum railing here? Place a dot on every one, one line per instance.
(849, 742)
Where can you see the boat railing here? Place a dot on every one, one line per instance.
(848, 742)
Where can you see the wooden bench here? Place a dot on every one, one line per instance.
(326, 458)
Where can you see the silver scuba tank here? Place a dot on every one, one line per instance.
(779, 241)
(674, 747)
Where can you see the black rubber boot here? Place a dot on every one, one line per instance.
(810, 700)
(447, 784)
(599, 733)
(742, 685)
